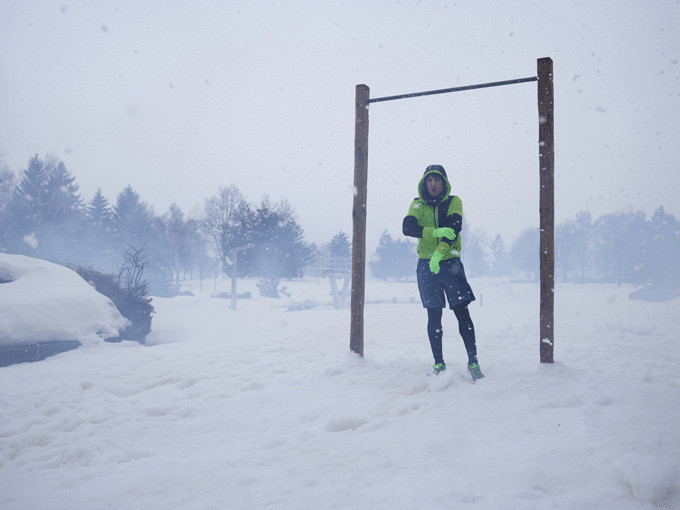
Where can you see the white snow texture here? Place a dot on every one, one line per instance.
(263, 407)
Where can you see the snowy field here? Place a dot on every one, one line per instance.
(264, 407)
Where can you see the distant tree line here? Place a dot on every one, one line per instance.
(43, 215)
(623, 247)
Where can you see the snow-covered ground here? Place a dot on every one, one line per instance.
(263, 407)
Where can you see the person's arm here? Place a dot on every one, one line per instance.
(410, 226)
(454, 218)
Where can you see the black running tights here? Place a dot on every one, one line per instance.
(465, 327)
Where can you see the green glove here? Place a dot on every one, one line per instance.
(434, 262)
(447, 232)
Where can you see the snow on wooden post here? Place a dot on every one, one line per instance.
(356, 340)
(546, 206)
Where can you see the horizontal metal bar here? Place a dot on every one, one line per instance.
(455, 89)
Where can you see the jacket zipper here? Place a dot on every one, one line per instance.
(435, 211)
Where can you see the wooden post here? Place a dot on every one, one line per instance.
(356, 335)
(546, 206)
(337, 304)
(234, 257)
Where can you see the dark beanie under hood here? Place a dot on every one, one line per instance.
(436, 168)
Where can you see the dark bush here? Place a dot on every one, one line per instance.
(269, 287)
(128, 292)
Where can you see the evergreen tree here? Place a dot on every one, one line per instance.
(32, 190)
(302, 254)
(393, 259)
(136, 227)
(500, 256)
(573, 247)
(340, 254)
(64, 217)
(27, 208)
(525, 252)
(566, 249)
(63, 200)
(242, 235)
(99, 212)
(197, 248)
(380, 262)
(321, 265)
(184, 240)
(620, 246)
(474, 255)
(280, 250)
(100, 228)
(340, 246)
(160, 269)
(132, 220)
(584, 240)
(662, 250)
(176, 231)
(6, 189)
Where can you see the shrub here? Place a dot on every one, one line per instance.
(269, 287)
(128, 292)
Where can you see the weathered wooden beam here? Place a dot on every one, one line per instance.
(546, 207)
(356, 342)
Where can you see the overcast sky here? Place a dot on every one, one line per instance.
(178, 98)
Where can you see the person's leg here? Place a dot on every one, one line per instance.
(435, 333)
(432, 297)
(467, 331)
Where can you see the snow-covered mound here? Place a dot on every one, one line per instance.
(43, 302)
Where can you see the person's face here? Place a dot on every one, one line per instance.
(435, 185)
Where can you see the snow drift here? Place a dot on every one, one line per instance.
(45, 302)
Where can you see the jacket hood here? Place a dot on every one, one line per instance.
(422, 188)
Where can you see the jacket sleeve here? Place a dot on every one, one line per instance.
(454, 218)
(410, 226)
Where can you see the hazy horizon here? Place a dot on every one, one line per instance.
(261, 95)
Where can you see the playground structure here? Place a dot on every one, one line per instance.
(546, 207)
(339, 270)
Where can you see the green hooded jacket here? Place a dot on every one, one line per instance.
(427, 213)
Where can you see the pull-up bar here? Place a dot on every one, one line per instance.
(454, 89)
(546, 205)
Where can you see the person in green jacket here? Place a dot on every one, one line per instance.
(435, 218)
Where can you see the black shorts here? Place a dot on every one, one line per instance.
(450, 282)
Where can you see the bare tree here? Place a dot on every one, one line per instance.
(131, 271)
(224, 221)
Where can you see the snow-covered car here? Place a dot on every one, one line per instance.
(46, 308)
